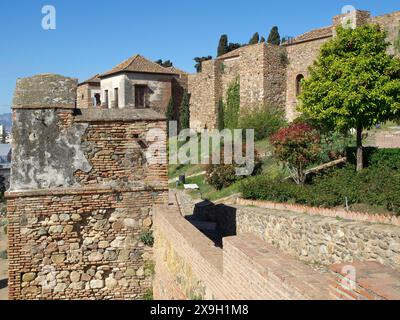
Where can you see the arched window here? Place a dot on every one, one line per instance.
(298, 83)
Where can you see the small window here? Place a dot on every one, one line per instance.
(298, 84)
(83, 96)
(97, 99)
(116, 96)
(106, 98)
(140, 96)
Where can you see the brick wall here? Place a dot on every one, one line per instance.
(81, 196)
(189, 266)
(365, 281)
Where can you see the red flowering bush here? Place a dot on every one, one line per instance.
(297, 146)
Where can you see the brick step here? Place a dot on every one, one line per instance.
(368, 280)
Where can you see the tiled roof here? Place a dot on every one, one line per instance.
(231, 54)
(138, 64)
(176, 70)
(314, 34)
(94, 79)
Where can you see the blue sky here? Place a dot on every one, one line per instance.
(94, 35)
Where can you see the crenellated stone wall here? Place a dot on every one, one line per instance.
(81, 195)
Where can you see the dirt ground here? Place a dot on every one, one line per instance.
(3, 265)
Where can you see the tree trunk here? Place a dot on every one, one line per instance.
(360, 160)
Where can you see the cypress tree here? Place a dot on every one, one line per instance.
(274, 36)
(184, 118)
(262, 40)
(255, 38)
(223, 45)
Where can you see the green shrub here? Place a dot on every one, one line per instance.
(374, 157)
(265, 120)
(232, 105)
(374, 186)
(147, 238)
(223, 175)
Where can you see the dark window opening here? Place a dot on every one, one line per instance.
(97, 100)
(299, 78)
(140, 96)
(116, 98)
(106, 98)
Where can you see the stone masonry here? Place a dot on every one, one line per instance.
(270, 75)
(81, 196)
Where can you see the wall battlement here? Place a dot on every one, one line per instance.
(81, 196)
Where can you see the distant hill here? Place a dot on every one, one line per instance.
(6, 121)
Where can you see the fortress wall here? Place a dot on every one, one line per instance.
(252, 75)
(204, 99)
(81, 196)
(390, 23)
(300, 57)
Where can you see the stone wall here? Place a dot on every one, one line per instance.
(268, 73)
(391, 24)
(300, 57)
(322, 240)
(81, 196)
(204, 98)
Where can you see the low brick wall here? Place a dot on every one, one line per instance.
(365, 281)
(189, 266)
(320, 239)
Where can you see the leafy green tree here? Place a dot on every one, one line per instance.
(223, 45)
(199, 61)
(274, 36)
(221, 125)
(232, 107)
(353, 84)
(185, 111)
(262, 40)
(255, 39)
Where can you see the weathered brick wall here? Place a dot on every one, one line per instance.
(81, 196)
(189, 266)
